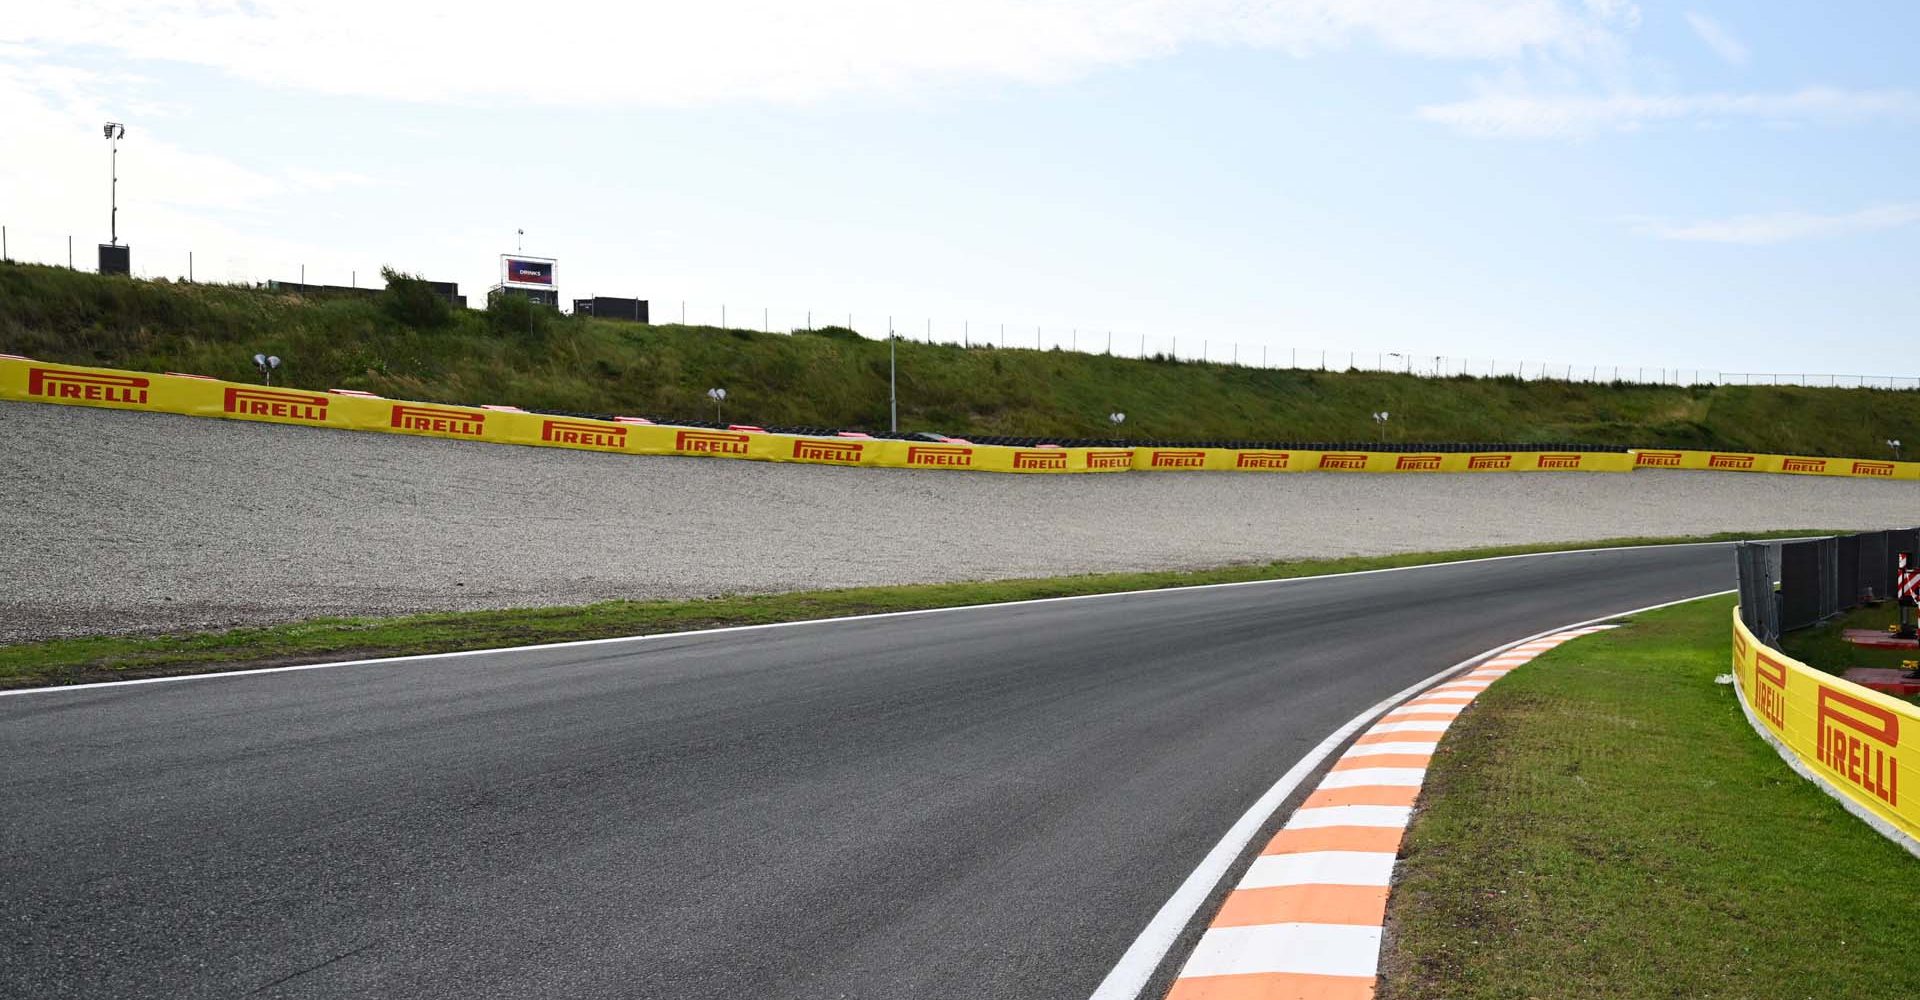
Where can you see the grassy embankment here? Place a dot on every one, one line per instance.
(1604, 823)
(586, 365)
(72, 661)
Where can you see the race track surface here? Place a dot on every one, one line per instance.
(974, 803)
(137, 522)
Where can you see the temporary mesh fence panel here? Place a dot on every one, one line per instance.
(1875, 584)
(1800, 573)
(1830, 577)
(1758, 608)
(1819, 578)
(1897, 542)
(1848, 563)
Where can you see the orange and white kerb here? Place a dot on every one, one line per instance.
(1304, 923)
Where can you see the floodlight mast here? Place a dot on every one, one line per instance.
(114, 131)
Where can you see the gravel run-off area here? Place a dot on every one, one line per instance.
(117, 522)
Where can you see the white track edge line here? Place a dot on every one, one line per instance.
(1137, 964)
(572, 643)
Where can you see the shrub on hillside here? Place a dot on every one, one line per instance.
(412, 302)
(512, 315)
(831, 333)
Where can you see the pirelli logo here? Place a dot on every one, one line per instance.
(1109, 460)
(1657, 459)
(247, 402)
(1883, 470)
(434, 420)
(581, 434)
(1262, 460)
(1770, 689)
(1857, 741)
(1803, 465)
(1050, 458)
(945, 456)
(86, 387)
(1559, 461)
(1178, 460)
(1738, 463)
(1417, 463)
(1476, 462)
(828, 451)
(710, 443)
(1740, 647)
(1343, 461)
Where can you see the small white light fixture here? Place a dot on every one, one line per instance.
(266, 363)
(718, 395)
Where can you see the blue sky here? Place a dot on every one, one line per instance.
(1705, 185)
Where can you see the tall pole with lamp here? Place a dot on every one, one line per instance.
(113, 256)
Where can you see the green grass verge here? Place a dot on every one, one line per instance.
(1604, 823)
(840, 380)
(70, 661)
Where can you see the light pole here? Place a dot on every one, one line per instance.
(718, 396)
(266, 363)
(1381, 419)
(893, 382)
(114, 132)
(1894, 443)
(1116, 419)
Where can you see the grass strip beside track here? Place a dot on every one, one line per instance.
(74, 661)
(1604, 823)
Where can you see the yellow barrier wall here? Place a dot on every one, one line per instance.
(1740, 461)
(1865, 745)
(71, 384)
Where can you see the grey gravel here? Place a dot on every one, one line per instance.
(119, 522)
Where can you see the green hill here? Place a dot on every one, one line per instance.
(400, 346)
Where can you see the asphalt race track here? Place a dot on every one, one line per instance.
(976, 803)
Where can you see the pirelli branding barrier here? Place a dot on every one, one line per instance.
(1863, 746)
(23, 379)
(1789, 464)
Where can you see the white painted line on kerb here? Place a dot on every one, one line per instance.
(657, 636)
(1417, 707)
(1359, 777)
(1302, 949)
(1149, 949)
(1320, 868)
(1379, 749)
(1389, 817)
(1416, 726)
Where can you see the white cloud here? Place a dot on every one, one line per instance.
(56, 186)
(56, 112)
(1719, 39)
(1783, 227)
(1578, 116)
(677, 54)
